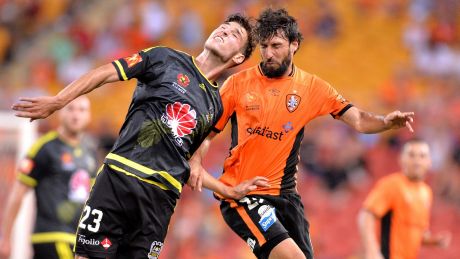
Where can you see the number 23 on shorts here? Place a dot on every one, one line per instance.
(97, 217)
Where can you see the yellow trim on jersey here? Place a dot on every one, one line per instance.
(51, 237)
(116, 168)
(148, 49)
(122, 71)
(40, 142)
(27, 180)
(201, 72)
(146, 170)
(63, 250)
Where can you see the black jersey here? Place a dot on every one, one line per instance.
(173, 109)
(61, 176)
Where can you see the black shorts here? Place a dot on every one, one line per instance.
(57, 250)
(124, 217)
(263, 221)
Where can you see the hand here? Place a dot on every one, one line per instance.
(37, 107)
(239, 191)
(443, 239)
(397, 120)
(5, 248)
(195, 179)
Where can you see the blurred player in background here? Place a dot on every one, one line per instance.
(401, 202)
(269, 106)
(174, 106)
(58, 167)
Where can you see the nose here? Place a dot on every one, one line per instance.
(267, 53)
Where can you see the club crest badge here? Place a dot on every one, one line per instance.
(292, 102)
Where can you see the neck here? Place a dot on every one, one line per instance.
(413, 179)
(211, 65)
(71, 138)
(289, 71)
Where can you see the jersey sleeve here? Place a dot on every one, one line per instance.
(327, 99)
(141, 65)
(380, 200)
(33, 167)
(227, 93)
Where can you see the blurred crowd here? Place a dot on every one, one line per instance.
(46, 44)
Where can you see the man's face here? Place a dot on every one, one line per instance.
(228, 41)
(75, 116)
(277, 53)
(415, 160)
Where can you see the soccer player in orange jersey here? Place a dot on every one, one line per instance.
(401, 201)
(269, 106)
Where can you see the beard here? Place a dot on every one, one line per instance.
(271, 72)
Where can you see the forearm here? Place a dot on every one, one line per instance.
(370, 123)
(202, 151)
(211, 183)
(12, 208)
(366, 224)
(87, 83)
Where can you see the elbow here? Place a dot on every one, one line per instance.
(365, 219)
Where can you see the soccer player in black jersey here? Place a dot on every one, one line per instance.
(174, 107)
(58, 167)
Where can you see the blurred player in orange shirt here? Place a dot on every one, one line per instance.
(402, 202)
(269, 105)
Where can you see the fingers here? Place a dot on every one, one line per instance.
(25, 114)
(28, 99)
(20, 106)
(409, 126)
(192, 180)
(260, 181)
(199, 182)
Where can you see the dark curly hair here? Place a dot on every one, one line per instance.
(270, 22)
(246, 23)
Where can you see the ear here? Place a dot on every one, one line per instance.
(294, 46)
(238, 58)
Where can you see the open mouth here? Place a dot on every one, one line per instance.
(219, 38)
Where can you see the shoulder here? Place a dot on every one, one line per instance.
(390, 181)
(42, 143)
(303, 77)
(245, 75)
(162, 51)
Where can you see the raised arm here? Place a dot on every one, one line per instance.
(44, 106)
(366, 122)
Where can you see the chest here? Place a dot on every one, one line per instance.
(414, 200)
(67, 162)
(184, 95)
(278, 106)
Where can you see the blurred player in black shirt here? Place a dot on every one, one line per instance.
(174, 107)
(59, 167)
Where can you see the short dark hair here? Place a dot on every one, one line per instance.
(246, 23)
(270, 22)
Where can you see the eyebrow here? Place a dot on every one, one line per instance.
(236, 29)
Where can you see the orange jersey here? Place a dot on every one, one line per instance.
(404, 207)
(268, 117)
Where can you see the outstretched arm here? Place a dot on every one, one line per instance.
(200, 177)
(366, 122)
(11, 211)
(366, 225)
(44, 106)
